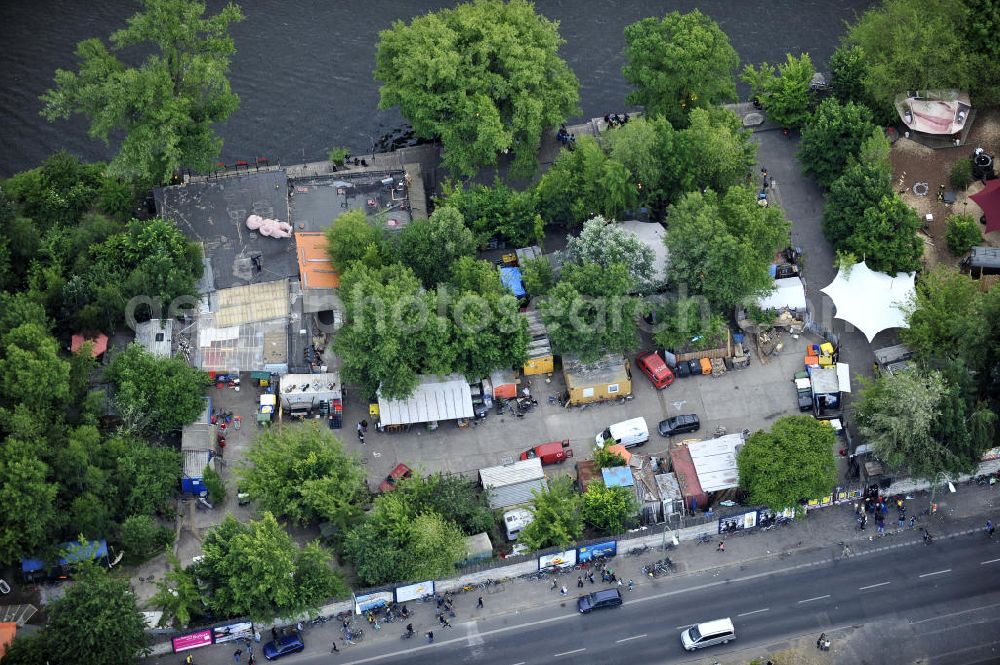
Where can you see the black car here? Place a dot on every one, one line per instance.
(688, 422)
(599, 600)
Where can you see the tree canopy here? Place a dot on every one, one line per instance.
(832, 137)
(430, 246)
(484, 78)
(604, 243)
(302, 473)
(783, 90)
(156, 394)
(886, 237)
(678, 63)
(610, 509)
(860, 187)
(558, 516)
(166, 106)
(256, 569)
(791, 462)
(583, 183)
(496, 211)
(351, 237)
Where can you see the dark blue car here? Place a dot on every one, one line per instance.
(283, 646)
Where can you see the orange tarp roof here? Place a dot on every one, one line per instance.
(315, 268)
(621, 451)
(7, 633)
(100, 344)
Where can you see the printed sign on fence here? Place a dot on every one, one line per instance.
(371, 601)
(232, 631)
(202, 638)
(588, 552)
(414, 591)
(565, 559)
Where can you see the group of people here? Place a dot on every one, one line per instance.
(878, 507)
(616, 119)
(565, 137)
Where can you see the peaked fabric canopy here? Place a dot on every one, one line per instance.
(871, 301)
(989, 200)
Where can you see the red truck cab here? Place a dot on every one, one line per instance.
(653, 366)
(401, 472)
(553, 452)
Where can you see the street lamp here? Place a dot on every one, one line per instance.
(673, 534)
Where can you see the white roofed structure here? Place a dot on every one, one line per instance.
(871, 301)
(436, 398)
(715, 462)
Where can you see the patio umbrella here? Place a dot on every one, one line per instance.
(989, 200)
(871, 301)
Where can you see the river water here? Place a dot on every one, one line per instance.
(303, 68)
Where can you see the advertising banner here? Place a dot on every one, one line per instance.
(202, 638)
(414, 591)
(588, 552)
(232, 631)
(371, 601)
(565, 559)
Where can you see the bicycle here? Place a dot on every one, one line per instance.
(638, 551)
(704, 538)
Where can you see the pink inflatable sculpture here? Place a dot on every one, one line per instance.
(271, 228)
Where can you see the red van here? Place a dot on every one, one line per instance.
(553, 452)
(652, 365)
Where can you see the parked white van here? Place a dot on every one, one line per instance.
(515, 520)
(707, 634)
(628, 433)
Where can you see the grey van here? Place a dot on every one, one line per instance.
(599, 600)
(707, 634)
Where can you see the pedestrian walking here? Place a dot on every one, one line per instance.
(631, 585)
(430, 636)
(441, 619)
(479, 603)
(902, 521)
(913, 521)
(189, 660)
(334, 649)
(621, 583)
(447, 624)
(590, 576)
(579, 581)
(274, 631)
(237, 654)
(721, 547)
(251, 660)
(364, 426)
(563, 591)
(989, 528)
(554, 585)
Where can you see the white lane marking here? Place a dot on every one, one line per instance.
(746, 614)
(626, 639)
(566, 653)
(520, 663)
(937, 572)
(955, 614)
(809, 600)
(983, 563)
(872, 586)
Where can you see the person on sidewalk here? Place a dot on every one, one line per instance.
(590, 576)
(236, 655)
(555, 585)
(579, 582)
(631, 585)
(334, 649)
(563, 591)
(913, 521)
(479, 603)
(989, 528)
(430, 636)
(721, 547)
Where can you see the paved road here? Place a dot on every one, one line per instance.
(928, 602)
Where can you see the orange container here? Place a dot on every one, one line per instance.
(706, 366)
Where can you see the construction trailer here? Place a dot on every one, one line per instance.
(513, 484)
(607, 378)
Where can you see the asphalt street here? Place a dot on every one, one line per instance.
(927, 602)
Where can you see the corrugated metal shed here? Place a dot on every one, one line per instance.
(715, 462)
(251, 303)
(513, 484)
(155, 336)
(618, 476)
(670, 492)
(436, 398)
(195, 462)
(199, 435)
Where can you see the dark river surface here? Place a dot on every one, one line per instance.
(303, 68)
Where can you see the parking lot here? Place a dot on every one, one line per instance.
(748, 398)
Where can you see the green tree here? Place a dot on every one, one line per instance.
(155, 394)
(606, 459)
(791, 462)
(145, 476)
(832, 137)
(303, 473)
(496, 211)
(476, 276)
(167, 105)
(58, 192)
(610, 509)
(783, 90)
(538, 276)
(678, 63)
(351, 237)
(488, 333)
(913, 47)
(716, 151)
(897, 415)
(689, 323)
(257, 570)
(862, 186)
(456, 498)
(558, 516)
(963, 234)
(29, 499)
(484, 78)
(589, 312)
(142, 537)
(32, 372)
(979, 30)
(651, 150)
(886, 237)
(960, 174)
(580, 185)
(177, 595)
(604, 243)
(430, 246)
(876, 150)
(848, 66)
(97, 622)
(721, 246)
(941, 318)
(401, 542)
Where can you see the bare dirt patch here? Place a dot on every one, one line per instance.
(914, 163)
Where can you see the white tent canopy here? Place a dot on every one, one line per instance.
(871, 301)
(788, 293)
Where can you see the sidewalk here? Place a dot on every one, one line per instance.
(831, 529)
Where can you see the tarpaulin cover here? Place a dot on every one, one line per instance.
(511, 278)
(871, 301)
(989, 200)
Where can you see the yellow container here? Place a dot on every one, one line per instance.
(826, 348)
